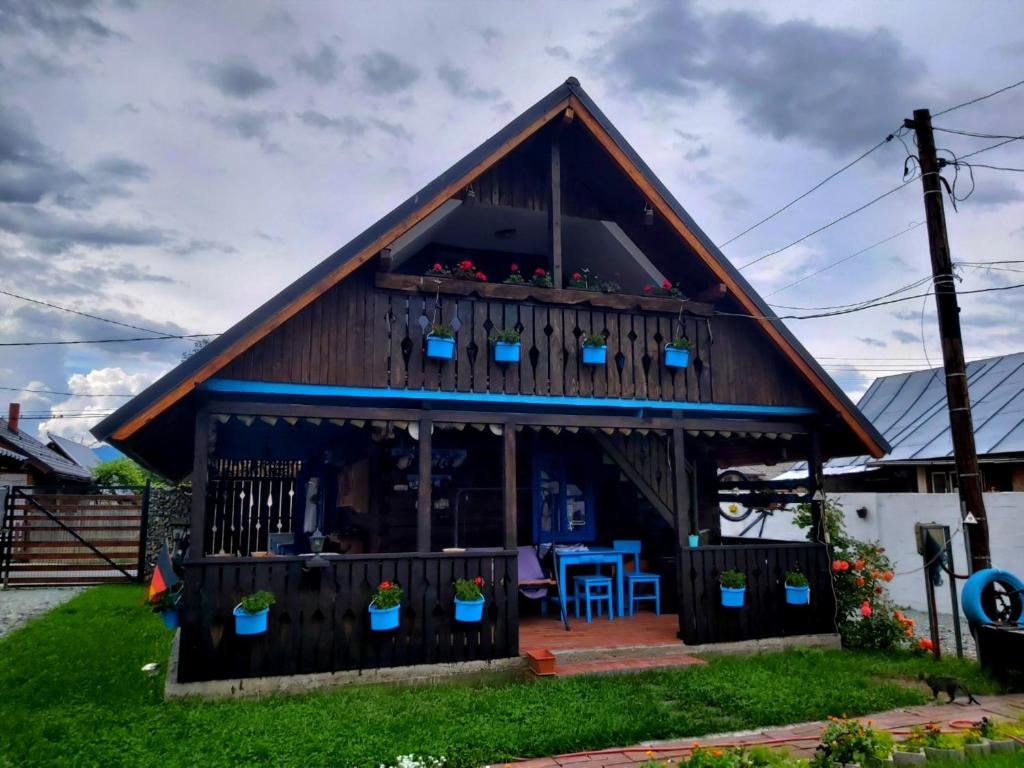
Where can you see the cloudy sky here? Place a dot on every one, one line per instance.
(173, 165)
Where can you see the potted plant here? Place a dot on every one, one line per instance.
(384, 608)
(693, 539)
(798, 589)
(677, 352)
(251, 613)
(910, 751)
(466, 270)
(734, 588)
(939, 745)
(438, 270)
(507, 345)
(595, 349)
(999, 736)
(850, 743)
(167, 604)
(974, 743)
(665, 289)
(469, 599)
(440, 341)
(541, 278)
(515, 277)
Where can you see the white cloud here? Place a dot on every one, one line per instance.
(96, 392)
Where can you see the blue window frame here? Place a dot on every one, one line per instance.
(563, 500)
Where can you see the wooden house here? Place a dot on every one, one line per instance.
(323, 410)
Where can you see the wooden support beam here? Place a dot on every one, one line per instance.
(200, 470)
(815, 481)
(681, 492)
(509, 498)
(424, 502)
(555, 210)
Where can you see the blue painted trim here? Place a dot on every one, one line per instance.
(237, 386)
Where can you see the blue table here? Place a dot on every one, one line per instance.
(591, 556)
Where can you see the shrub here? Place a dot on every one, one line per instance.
(257, 601)
(469, 589)
(732, 579)
(388, 595)
(850, 741)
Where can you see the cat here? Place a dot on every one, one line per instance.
(948, 684)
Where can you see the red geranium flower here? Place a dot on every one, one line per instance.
(888, 575)
(385, 585)
(514, 267)
(858, 564)
(479, 581)
(666, 284)
(577, 276)
(648, 288)
(925, 644)
(859, 581)
(481, 277)
(438, 267)
(466, 264)
(539, 271)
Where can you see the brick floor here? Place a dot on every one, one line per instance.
(804, 736)
(644, 628)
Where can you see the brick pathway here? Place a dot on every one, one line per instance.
(802, 737)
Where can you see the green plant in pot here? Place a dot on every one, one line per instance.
(939, 745)
(440, 341)
(506, 345)
(851, 743)
(251, 613)
(469, 599)
(385, 606)
(515, 277)
(798, 588)
(168, 604)
(734, 588)
(595, 349)
(677, 352)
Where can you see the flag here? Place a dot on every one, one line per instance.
(164, 576)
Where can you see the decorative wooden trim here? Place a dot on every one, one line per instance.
(570, 296)
(424, 498)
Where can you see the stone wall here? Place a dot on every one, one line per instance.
(168, 517)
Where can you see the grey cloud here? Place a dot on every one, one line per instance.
(905, 337)
(698, 154)
(122, 168)
(129, 108)
(195, 245)
(236, 77)
(345, 125)
(836, 88)
(490, 34)
(558, 52)
(53, 233)
(456, 80)
(35, 64)
(249, 124)
(276, 21)
(990, 189)
(322, 66)
(395, 130)
(61, 22)
(985, 319)
(906, 314)
(387, 74)
(871, 342)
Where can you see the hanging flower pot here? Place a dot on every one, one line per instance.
(385, 606)
(469, 599)
(251, 614)
(734, 588)
(798, 590)
(693, 539)
(167, 604)
(595, 350)
(507, 346)
(171, 618)
(440, 341)
(677, 353)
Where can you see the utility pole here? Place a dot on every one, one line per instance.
(972, 504)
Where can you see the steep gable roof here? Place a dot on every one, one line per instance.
(184, 378)
(47, 461)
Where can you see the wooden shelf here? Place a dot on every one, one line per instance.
(566, 296)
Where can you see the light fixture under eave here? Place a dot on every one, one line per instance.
(470, 198)
(648, 215)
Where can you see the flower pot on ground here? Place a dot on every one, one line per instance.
(734, 588)
(440, 341)
(469, 599)
(507, 346)
(168, 605)
(677, 353)
(595, 349)
(385, 606)
(251, 613)
(798, 589)
(851, 742)
(906, 756)
(949, 754)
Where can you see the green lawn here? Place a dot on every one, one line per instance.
(72, 693)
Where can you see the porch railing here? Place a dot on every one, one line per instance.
(765, 612)
(320, 621)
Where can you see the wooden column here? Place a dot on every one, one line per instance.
(424, 504)
(509, 487)
(555, 209)
(681, 516)
(815, 478)
(200, 470)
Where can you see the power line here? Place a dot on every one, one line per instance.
(69, 394)
(906, 287)
(974, 134)
(830, 224)
(817, 186)
(991, 146)
(995, 167)
(104, 341)
(58, 416)
(81, 314)
(837, 262)
(975, 101)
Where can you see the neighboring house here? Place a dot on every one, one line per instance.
(24, 460)
(82, 455)
(331, 409)
(910, 410)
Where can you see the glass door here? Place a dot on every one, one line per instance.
(563, 501)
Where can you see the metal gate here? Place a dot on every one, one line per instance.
(71, 536)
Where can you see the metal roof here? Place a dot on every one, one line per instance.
(82, 455)
(37, 453)
(910, 410)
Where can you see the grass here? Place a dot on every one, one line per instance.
(72, 693)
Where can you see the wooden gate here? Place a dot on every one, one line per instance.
(72, 536)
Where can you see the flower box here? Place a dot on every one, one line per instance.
(595, 355)
(443, 348)
(798, 595)
(1002, 745)
(171, 618)
(250, 623)
(953, 754)
(542, 662)
(469, 610)
(733, 597)
(915, 757)
(507, 351)
(676, 357)
(383, 619)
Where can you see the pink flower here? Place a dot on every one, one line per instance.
(648, 288)
(515, 267)
(438, 267)
(666, 284)
(577, 276)
(481, 277)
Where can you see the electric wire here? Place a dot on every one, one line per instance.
(979, 98)
(104, 341)
(81, 314)
(68, 394)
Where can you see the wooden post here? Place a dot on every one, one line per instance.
(555, 209)
(509, 487)
(681, 517)
(424, 504)
(144, 530)
(815, 482)
(200, 470)
(972, 502)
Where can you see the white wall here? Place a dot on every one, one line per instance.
(890, 520)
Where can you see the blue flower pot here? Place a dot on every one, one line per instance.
(170, 617)
(250, 623)
(382, 619)
(506, 351)
(441, 348)
(677, 358)
(798, 595)
(469, 610)
(693, 539)
(732, 597)
(595, 355)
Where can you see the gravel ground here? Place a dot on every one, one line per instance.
(18, 605)
(947, 641)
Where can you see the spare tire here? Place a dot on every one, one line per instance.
(993, 596)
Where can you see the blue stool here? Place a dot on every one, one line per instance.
(593, 588)
(636, 576)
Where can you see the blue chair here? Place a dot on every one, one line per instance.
(593, 588)
(636, 576)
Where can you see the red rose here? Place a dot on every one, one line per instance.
(888, 575)
(515, 268)
(666, 284)
(858, 564)
(648, 288)
(865, 609)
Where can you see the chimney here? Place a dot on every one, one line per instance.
(13, 411)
